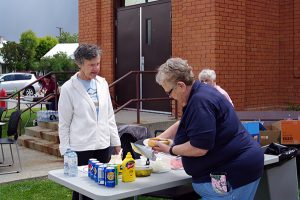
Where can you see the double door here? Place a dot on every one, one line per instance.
(143, 44)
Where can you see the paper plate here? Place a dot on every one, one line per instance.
(145, 142)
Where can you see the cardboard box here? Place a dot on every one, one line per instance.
(290, 132)
(276, 126)
(269, 136)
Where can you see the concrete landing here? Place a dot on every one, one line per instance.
(34, 164)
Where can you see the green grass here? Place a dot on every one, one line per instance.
(25, 116)
(40, 189)
(32, 189)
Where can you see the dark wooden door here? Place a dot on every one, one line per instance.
(156, 49)
(150, 45)
(128, 52)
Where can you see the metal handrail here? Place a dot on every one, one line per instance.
(138, 98)
(42, 99)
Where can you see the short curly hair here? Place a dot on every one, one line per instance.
(207, 74)
(174, 70)
(86, 52)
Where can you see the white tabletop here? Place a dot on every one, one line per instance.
(84, 185)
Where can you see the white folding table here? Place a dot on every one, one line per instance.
(84, 185)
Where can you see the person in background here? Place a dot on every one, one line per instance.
(224, 162)
(86, 118)
(209, 76)
(48, 87)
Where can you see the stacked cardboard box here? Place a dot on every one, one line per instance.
(272, 134)
(290, 131)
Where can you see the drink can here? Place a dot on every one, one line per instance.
(90, 167)
(93, 170)
(96, 175)
(116, 172)
(101, 174)
(110, 177)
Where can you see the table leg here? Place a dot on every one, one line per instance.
(2, 155)
(135, 197)
(80, 196)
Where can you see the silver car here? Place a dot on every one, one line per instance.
(13, 82)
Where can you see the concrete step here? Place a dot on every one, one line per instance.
(42, 133)
(49, 125)
(44, 137)
(39, 144)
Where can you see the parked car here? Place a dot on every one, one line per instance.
(13, 82)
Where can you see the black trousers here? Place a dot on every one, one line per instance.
(103, 155)
(51, 106)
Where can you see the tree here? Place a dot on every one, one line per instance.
(45, 44)
(59, 63)
(29, 42)
(13, 56)
(66, 37)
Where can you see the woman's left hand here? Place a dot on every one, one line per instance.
(117, 150)
(160, 147)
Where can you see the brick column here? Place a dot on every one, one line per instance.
(96, 26)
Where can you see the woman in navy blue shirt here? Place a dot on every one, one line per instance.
(225, 162)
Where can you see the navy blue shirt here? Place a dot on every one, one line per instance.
(210, 122)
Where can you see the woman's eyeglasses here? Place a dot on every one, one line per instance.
(170, 92)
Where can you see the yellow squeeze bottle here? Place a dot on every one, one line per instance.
(128, 166)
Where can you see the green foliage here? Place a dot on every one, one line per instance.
(293, 107)
(26, 56)
(66, 37)
(45, 44)
(59, 63)
(29, 42)
(13, 56)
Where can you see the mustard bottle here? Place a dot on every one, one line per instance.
(128, 167)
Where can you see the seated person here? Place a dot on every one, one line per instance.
(209, 76)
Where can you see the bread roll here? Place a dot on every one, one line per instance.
(152, 141)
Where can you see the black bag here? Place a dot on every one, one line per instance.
(284, 152)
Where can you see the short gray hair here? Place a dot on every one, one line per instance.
(207, 74)
(174, 70)
(86, 52)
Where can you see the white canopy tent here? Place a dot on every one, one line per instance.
(67, 48)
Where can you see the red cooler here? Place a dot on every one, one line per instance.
(3, 94)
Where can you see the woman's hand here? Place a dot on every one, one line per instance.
(160, 147)
(117, 150)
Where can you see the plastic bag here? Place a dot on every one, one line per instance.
(284, 152)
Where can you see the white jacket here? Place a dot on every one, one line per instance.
(78, 125)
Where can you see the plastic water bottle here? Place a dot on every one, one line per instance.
(66, 162)
(73, 163)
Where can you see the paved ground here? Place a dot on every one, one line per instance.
(34, 164)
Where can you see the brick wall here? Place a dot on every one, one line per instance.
(289, 52)
(96, 19)
(231, 49)
(262, 53)
(193, 33)
(254, 45)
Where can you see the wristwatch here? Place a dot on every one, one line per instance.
(171, 151)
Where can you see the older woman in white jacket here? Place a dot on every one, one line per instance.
(86, 117)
